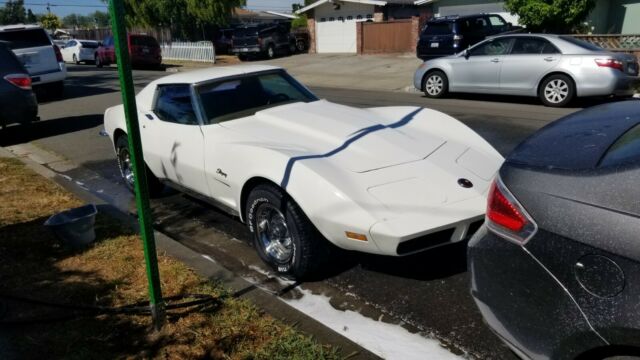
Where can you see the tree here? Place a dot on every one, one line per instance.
(31, 17)
(50, 21)
(186, 18)
(13, 13)
(552, 16)
(100, 18)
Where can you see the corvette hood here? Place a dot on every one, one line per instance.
(355, 139)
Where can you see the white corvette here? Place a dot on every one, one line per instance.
(298, 170)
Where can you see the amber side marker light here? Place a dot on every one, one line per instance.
(356, 236)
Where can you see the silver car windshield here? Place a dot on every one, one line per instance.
(243, 96)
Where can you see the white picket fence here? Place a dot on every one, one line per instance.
(203, 51)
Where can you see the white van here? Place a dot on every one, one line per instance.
(36, 51)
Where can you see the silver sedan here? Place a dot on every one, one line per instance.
(555, 68)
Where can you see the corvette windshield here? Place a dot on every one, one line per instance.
(244, 96)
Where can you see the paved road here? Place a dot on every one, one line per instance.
(427, 292)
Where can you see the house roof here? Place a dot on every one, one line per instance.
(321, 2)
(288, 16)
(423, 2)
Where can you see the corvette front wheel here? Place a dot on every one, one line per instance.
(283, 235)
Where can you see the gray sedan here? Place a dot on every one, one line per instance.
(555, 68)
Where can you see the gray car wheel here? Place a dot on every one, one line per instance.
(435, 84)
(557, 90)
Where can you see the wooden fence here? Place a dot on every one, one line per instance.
(385, 37)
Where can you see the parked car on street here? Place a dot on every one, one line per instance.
(555, 270)
(555, 68)
(449, 35)
(78, 51)
(18, 103)
(144, 50)
(38, 54)
(300, 171)
(262, 40)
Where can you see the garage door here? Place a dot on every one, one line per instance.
(336, 36)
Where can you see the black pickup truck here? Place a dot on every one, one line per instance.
(262, 40)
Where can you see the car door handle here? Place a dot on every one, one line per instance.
(496, 60)
(550, 58)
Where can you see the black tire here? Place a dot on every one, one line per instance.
(435, 84)
(98, 62)
(153, 183)
(271, 52)
(243, 57)
(301, 46)
(557, 90)
(305, 248)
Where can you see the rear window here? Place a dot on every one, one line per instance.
(89, 44)
(244, 32)
(439, 28)
(581, 43)
(625, 150)
(143, 41)
(21, 39)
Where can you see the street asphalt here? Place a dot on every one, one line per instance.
(428, 292)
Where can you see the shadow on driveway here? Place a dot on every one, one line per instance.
(19, 134)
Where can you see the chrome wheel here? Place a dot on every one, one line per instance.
(556, 91)
(126, 168)
(434, 85)
(271, 52)
(273, 233)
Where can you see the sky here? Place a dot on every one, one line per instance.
(63, 8)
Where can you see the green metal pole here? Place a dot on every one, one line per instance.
(116, 8)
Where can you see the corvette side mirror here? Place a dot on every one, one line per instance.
(466, 54)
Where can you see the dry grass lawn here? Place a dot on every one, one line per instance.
(112, 273)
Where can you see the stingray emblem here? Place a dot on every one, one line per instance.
(221, 173)
(465, 183)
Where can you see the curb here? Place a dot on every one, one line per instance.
(208, 268)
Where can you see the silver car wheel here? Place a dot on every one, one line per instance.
(434, 85)
(273, 233)
(556, 91)
(124, 160)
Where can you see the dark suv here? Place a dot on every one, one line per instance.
(449, 35)
(262, 40)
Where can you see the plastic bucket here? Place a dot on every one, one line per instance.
(75, 227)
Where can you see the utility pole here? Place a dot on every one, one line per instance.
(49, 8)
(116, 7)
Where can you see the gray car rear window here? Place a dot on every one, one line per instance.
(581, 43)
(625, 150)
(21, 39)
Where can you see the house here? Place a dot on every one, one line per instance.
(615, 17)
(467, 7)
(332, 23)
(244, 16)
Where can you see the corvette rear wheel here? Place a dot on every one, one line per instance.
(282, 234)
(126, 169)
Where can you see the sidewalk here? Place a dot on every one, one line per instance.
(347, 71)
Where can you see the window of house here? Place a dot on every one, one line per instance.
(349, 18)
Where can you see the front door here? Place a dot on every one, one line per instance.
(480, 71)
(172, 138)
